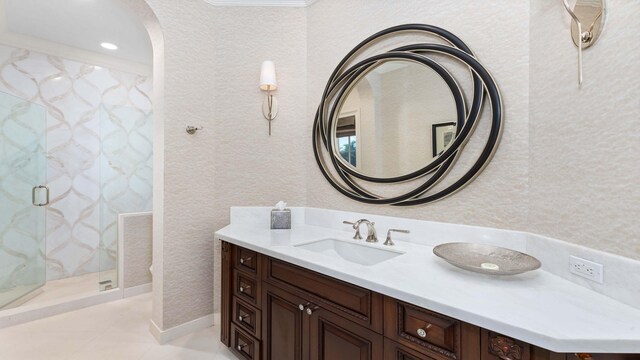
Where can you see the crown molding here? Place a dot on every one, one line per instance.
(290, 3)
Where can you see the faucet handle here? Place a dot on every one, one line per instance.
(355, 227)
(389, 242)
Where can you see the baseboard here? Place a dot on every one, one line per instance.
(165, 336)
(137, 290)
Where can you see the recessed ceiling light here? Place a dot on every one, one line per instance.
(109, 46)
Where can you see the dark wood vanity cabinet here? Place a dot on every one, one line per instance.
(273, 310)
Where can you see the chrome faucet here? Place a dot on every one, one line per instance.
(372, 236)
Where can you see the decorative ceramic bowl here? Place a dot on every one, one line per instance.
(486, 259)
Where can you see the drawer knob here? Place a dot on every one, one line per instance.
(243, 260)
(242, 317)
(303, 306)
(423, 332)
(244, 288)
(241, 346)
(310, 310)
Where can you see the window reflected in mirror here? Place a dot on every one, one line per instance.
(346, 135)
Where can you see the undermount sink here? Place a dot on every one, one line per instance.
(351, 251)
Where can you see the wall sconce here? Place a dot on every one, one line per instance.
(587, 24)
(269, 83)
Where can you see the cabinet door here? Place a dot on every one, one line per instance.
(283, 325)
(332, 337)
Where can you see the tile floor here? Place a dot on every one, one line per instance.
(114, 331)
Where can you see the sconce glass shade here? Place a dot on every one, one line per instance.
(268, 80)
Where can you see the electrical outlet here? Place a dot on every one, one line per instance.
(587, 269)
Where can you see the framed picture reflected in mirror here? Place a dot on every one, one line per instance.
(442, 136)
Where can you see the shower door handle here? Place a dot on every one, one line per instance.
(33, 195)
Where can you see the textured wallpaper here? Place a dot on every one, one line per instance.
(183, 288)
(211, 63)
(99, 152)
(585, 142)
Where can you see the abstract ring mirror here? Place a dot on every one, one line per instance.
(401, 117)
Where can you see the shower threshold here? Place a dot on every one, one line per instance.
(59, 289)
(60, 296)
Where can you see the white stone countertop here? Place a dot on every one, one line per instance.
(536, 307)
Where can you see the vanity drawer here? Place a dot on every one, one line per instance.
(243, 344)
(245, 259)
(246, 287)
(421, 329)
(357, 304)
(247, 317)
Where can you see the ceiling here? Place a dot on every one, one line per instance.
(84, 24)
(80, 24)
(296, 3)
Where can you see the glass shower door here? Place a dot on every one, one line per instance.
(23, 196)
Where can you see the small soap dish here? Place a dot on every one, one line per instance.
(486, 259)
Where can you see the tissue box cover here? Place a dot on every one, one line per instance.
(281, 219)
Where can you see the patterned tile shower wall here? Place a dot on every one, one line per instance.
(99, 153)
